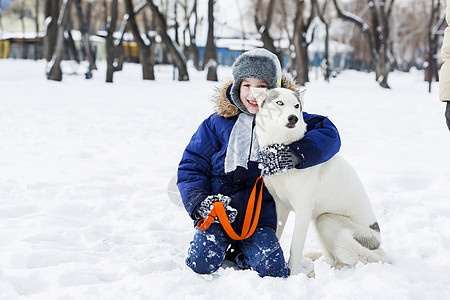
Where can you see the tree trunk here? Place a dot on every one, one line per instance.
(152, 38)
(176, 26)
(434, 24)
(377, 36)
(300, 45)
(289, 35)
(55, 72)
(71, 45)
(193, 49)
(326, 56)
(144, 50)
(263, 29)
(85, 35)
(114, 60)
(36, 20)
(24, 42)
(193, 40)
(52, 13)
(384, 67)
(178, 58)
(210, 56)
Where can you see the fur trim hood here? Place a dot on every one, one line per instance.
(224, 107)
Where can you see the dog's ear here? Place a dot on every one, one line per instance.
(259, 94)
(300, 94)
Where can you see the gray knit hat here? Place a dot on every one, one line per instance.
(257, 63)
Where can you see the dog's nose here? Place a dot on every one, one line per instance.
(292, 119)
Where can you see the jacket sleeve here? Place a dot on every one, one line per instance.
(444, 77)
(320, 143)
(194, 170)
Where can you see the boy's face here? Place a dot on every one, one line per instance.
(246, 95)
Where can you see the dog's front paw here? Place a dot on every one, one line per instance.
(305, 266)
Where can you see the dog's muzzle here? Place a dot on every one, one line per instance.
(292, 120)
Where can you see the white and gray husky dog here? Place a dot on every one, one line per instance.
(330, 194)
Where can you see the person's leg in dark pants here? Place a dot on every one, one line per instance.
(207, 250)
(263, 253)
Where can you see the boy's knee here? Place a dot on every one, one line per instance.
(202, 265)
(205, 261)
(205, 254)
(273, 265)
(267, 258)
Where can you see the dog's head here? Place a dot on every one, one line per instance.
(280, 118)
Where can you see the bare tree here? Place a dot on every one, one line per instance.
(36, 22)
(290, 33)
(185, 24)
(175, 52)
(193, 38)
(145, 55)
(302, 23)
(151, 36)
(114, 53)
(85, 23)
(263, 24)
(69, 42)
(410, 34)
(210, 56)
(36, 16)
(176, 26)
(191, 49)
(55, 72)
(51, 22)
(436, 21)
(320, 11)
(296, 20)
(376, 33)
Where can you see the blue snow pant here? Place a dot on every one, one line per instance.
(262, 251)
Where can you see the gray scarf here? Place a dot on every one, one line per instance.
(243, 145)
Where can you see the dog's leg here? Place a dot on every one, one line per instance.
(297, 262)
(282, 215)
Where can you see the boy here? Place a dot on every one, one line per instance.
(221, 161)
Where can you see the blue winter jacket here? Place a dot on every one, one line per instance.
(201, 170)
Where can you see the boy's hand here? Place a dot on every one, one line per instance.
(205, 207)
(276, 159)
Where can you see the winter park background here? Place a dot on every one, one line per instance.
(84, 210)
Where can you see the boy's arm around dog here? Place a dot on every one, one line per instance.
(320, 143)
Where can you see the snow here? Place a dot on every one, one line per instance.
(84, 211)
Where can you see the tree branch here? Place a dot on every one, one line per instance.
(358, 21)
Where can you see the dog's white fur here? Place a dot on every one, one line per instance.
(330, 194)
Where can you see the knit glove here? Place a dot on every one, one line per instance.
(205, 207)
(276, 159)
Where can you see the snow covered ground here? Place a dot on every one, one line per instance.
(84, 167)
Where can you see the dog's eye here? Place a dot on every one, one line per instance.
(297, 106)
(280, 103)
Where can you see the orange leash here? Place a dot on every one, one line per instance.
(248, 228)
